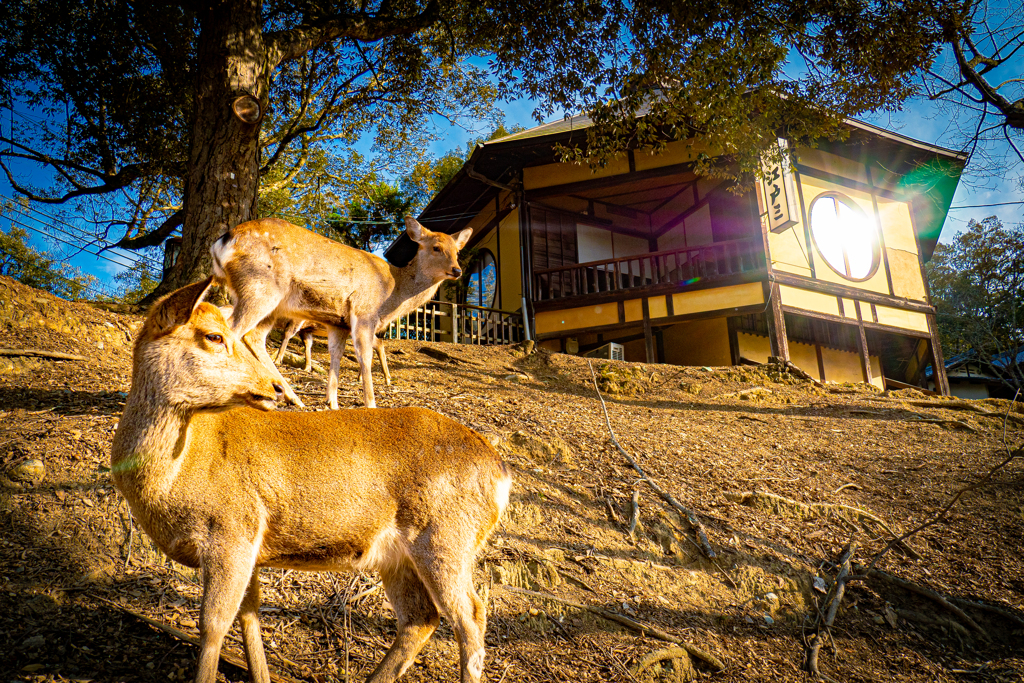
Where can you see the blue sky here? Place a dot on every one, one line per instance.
(920, 119)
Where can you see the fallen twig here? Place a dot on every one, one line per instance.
(39, 353)
(665, 495)
(631, 624)
(634, 514)
(830, 616)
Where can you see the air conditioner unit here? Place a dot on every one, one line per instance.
(611, 351)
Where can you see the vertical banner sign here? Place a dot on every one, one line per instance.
(780, 193)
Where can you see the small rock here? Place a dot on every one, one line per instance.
(76, 434)
(30, 472)
(748, 619)
(519, 378)
(768, 620)
(33, 642)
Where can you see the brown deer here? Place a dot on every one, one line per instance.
(219, 484)
(274, 269)
(306, 331)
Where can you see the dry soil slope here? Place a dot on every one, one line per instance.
(73, 570)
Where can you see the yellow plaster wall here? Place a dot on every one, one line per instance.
(844, 366)
(697, 342)
(634, 310)
(718, 298)
(510, 268)
(897, 228)
(909, 320)
(804, 356)
(789, 251)
(674, 153)
(535, 177)
(577, 318)
(831, 163)
(907, 280)
(849, 309)
(809, 301)
(754, 347)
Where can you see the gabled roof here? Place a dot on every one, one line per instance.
(498, 163)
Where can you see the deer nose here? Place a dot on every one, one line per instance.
(456, 271)
(278, 389)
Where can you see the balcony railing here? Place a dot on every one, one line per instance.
(458, 323)
(675, 266)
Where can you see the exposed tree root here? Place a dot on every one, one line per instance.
(631, 624)
(702, 535)
(770, 502)
(833, 609)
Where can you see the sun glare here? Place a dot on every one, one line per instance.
(845, 237)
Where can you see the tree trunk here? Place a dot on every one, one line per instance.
(222, 174)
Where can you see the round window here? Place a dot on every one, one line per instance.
(844, 236)
(483, 280)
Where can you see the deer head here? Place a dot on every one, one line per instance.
(203, 363)
(438, 253)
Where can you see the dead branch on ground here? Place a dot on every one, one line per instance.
(631, 624)
(830, 616)
(39, 353)
(665, 495)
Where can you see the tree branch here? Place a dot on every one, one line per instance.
(285, 45)
(154, 237)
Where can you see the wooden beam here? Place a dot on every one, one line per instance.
(865, 354)
(938, 363)
(847, 182)
(606, 181)
(648, 335)
(849, 292)
(846, 321)
(734, 340)
(776, 322)
(821, 362)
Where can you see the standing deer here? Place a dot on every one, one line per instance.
(274, 269)
(306, 331)
(220, 485)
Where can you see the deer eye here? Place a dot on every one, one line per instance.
(437, 248)
(215, 338)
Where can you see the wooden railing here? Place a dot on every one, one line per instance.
(458, 323)
(674, 266)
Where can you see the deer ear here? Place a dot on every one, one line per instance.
(416, 232)
(177, 307)
(461, 238)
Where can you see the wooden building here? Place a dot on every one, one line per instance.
(821, 263)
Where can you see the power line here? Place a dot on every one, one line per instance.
(102, 291)
(984, 206)
(71, 244)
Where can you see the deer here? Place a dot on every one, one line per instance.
(223, 482)
(273, 269)
(306, 332)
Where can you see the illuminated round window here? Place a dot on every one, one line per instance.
(845, 237)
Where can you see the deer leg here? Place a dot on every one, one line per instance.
(289, 332)
(378, 345)
(224, 585)
(307, 340)
(417, 619)
(252, 639)
(446, 569)
(256, 340)
(251, 320)
(362, 340)
(336, 338)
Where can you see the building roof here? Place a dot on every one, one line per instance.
(934, 173)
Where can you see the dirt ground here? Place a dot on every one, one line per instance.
(821, 465)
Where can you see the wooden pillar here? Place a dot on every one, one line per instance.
(938, 363)
(776, 322)
(734, 340)
(648, 333)
(865, 355)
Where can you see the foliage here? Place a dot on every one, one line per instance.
(977, 286)
(373, 220)
(136, 283)
(29, 266)
(134, 98)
